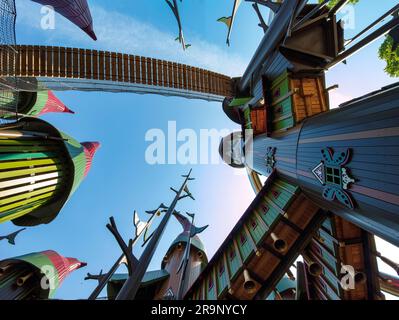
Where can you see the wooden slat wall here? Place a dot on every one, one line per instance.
(45, 61)
(250, 246)
(338, 243)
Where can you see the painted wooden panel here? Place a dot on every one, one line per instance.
(222, 274)
(256, 228)
(268, 212)
(280, 87)
(210, 288)
(244, 245)
(258, 120)
(233, 261)
(328, 225)
(280, 196)
(250, 235)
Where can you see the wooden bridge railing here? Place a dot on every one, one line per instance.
(86, 64)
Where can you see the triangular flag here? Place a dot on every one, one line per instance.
(226, 21)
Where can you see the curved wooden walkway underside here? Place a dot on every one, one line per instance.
(59, 68)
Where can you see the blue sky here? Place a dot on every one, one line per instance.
(120, 180)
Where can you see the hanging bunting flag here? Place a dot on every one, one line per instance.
(229, 21)
(76, 11)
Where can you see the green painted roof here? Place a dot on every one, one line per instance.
(150, 278)
(237, 102)
(195, 241)
(41, 100)
(78, 157)
(44, 264)
(75, 161)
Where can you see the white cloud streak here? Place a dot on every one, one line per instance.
(122, 33)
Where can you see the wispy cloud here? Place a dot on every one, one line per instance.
(337, 98)
(120, 32)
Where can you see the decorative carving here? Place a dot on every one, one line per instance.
(270, 159)
(346, 179)
(332, 174)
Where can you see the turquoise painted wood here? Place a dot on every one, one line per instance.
(256, 228)
(233, 261)
(332, 294)
(280, 196)
(331, 279)
(22, 156)
(210, 288)
(268, 212)
(328, 225)
(329, 259)
(221, 277)
(329, 243)
(244, 245)
(287, 186)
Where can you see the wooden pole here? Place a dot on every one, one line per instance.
(132, 284)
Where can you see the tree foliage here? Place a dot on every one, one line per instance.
(332, 3)
(390, 55)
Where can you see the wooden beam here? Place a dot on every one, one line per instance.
(291, 255)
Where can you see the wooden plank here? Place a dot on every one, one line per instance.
(126, 72)
(120, 67)
(211, 82)
(199, 80)
(82, 62)
(61, 62)
(95, 64)
(113, 66)
(42, 53)
(49, 61)
(195, 79)
(250, 239)
(144, 75)
(4, 61)
(36, 61)
(206, 81)
(159, 69)
(137, 67)
(154, 72)
(132, 69)
(88, 67)
(227, 270)
(170, 74)
(175, 75)
(180, 76)
(23, 54)
(237, 250)
(56, 61)
(101, 65)
(107, 64)
(68, 63)
(203, 80)
(218, 84)
(188, 78)
(322, 94)
(27, 195)
(16, 61)
(75, 59)
(148, 70)
(183, 76)
(165, 74)
(215, 282)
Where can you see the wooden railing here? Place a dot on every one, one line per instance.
(86, 64)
